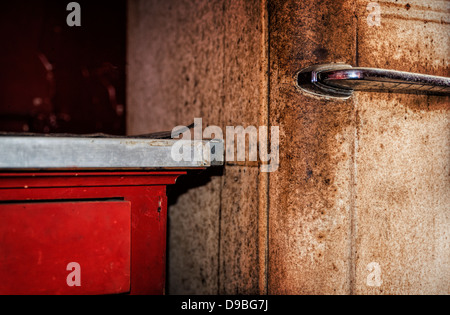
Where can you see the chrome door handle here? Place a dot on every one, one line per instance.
(341, 80)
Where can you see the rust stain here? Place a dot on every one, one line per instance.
(409, 18)
(304, 190)
(402, 152)
(408, 6)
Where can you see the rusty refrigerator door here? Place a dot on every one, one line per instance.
(367, 202)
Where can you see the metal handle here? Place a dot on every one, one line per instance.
(340, 81)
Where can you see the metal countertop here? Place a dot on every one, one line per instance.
(88, 152)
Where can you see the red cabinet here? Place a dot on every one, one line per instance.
(47, 246)
(83, 232)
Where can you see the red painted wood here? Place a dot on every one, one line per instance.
(148, 211)
(39, 240)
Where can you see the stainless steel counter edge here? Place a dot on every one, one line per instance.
(95, 153)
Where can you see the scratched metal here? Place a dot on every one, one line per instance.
(60, 152)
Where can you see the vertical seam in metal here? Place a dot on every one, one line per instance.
(219, 256)
(219, 247)
(356, 36)
(354, 175)
(353, 202)
(263, 184)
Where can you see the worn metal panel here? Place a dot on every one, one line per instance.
(175, 70)
(403, 189)
(311, 194)
(239, 251)
(175, 63)
(342, 162)
(402, 218)
(191, 59)
(242, 63)
(60, 152)
(242, 259)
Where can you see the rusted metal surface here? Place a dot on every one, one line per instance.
(376, 167)
(311, 193)
(238, 269)
(362, 182)
(403, 158)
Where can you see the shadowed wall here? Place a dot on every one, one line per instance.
(362, 183)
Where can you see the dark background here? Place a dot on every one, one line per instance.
(60, 79)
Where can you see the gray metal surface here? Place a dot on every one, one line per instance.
(95, 153)
(340, 81)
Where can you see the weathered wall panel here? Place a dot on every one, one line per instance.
(403, 157)
(193, 242)
(360, 181)
(239, 272)
(202, 59)
(311, 194)
(403, 197)
(175, 63)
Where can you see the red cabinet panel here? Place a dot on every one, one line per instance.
(65, 247)
(79, 227)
